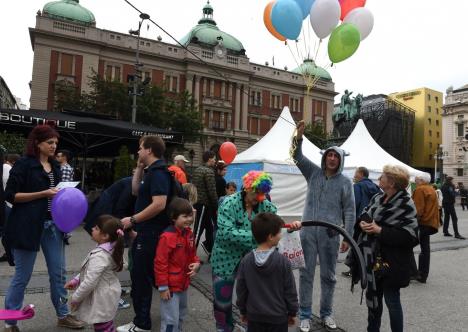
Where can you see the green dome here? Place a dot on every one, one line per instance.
(206, 33)
(310, 68)
(69, 10)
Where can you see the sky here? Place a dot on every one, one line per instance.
(414, 43)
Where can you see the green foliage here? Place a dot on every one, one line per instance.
(316, 134)
(123, 164)
(156, 107)
(12, 142)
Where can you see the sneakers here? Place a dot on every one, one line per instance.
(130, 327)
(329, 323)
(346, 274)
(12, 328)
(123, 304)
(70, 322)
(304, 326)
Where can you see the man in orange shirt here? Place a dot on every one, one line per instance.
(179, 168)
(427, 207)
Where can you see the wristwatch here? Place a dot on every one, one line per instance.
(133, 220)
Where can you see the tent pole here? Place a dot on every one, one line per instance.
(85, 154)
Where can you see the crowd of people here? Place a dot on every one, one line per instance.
(161, 214)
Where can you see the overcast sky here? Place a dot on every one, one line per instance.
(414, 43)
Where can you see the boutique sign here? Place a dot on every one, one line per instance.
(29, 120)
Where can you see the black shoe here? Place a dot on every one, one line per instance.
(346, 274)
(458, 236)
(421, 279)
(447, 234)
(4, 258)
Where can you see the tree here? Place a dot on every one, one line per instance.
(316, 133)
(67, 96)
(12, 142)
(124, 164)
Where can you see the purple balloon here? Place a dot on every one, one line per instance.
(69, 207)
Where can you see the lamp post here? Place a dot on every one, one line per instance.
(438, 156)
(138, 65)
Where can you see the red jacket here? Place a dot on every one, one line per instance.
(175, 252)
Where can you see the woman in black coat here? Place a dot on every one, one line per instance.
(30, 189)
(390, 232)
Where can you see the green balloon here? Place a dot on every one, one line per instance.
(343, 42)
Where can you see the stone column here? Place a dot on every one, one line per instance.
(189, 84)
(197, 91)
(230, 91)
(223, 90)
(212, 83)
(307, 113)
(205, 80)
(238, 108)
(245, 106)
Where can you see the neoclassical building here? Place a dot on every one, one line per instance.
(239, 100)
(454, 131)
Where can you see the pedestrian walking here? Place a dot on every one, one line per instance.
(97, 287)
(448, 204)
(463, 196)
(266, 304)
(175, 264)
(179, 169)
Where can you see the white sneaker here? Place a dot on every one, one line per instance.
(130, 327)
(305, 325)
(329, 323)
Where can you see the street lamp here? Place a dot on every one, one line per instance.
(138, 65)
(438, 156)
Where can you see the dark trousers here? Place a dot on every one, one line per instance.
(267, 327)
(392, 300)
(205, 223)
(449, 212)
(425, 255)
(142, 276)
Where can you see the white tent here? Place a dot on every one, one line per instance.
(271, 154)
(364, 151)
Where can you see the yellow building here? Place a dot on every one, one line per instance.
(427, 135)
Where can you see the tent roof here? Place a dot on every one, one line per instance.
(364, 151)
(274, 146)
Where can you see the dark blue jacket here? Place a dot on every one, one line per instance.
(117, 200)
(364, 190)
(26, 220)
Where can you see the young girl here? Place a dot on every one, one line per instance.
(175, 264)
(97, 293)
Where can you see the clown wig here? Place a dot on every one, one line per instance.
(257, 181)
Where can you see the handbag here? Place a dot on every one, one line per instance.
(290, 247)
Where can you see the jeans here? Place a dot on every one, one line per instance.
(54, 253)
(173, 312)
(142, 276)
(316, 241)
(449, 211)
(392, 300)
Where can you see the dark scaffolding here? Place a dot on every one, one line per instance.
(390, 124)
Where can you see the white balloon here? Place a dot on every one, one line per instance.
(324, 17)
(363, 19)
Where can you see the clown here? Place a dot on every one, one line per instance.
(234, 239)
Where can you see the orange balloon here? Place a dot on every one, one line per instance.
(269, 24)
(349, 5)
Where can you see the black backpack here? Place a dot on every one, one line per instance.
(176, 189)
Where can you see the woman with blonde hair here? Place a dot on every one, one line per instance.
(390, 231)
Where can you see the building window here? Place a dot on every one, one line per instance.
(275, 101)
(430, 121)
(438, 134)
(294, 104)
(174, 84)
(430, 157)
(437, 122)
(428, 97)
(460, 130)
(256, 98)
(430, 133)
(437, 111)
(436, 99)
(459, 171)
(430, 145)
(66, 64)
(429, 109)
(112, 73)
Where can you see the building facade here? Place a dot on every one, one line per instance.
(239, 100)
(427, 134)
(7, 99)
(455, 129)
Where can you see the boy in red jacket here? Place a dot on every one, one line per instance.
(175, 263)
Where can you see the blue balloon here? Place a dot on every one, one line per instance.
(286, 17)
(305, 6)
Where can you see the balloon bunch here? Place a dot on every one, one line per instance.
(284, 20)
